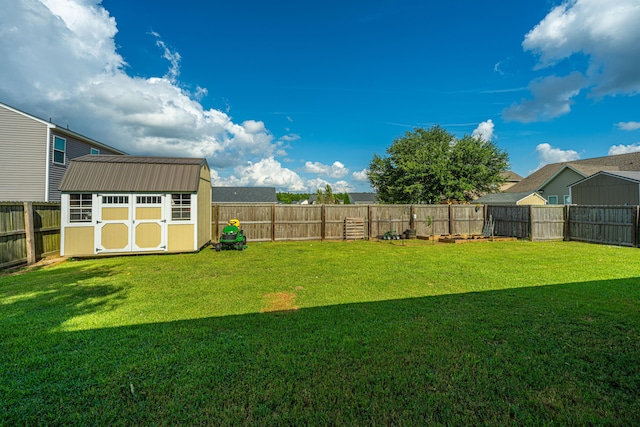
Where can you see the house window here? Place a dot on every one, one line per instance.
(148, 200)
(567, 200)
(553, 200)
(59, 149)
(95, 151)
(115, 200)
(181, 207)
(80, 207)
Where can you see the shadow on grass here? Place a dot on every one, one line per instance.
(565, 354)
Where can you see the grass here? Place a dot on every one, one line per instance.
(327, 333)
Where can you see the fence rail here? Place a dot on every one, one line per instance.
(31, 230)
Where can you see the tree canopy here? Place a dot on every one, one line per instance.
(431, 166)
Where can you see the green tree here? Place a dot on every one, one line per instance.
(328, 197)
(319, 197)
(431, 165)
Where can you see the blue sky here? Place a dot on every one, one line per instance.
(300, 94)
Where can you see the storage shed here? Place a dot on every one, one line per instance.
(127, 204)
(607, 188)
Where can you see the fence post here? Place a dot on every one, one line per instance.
(450, 219)
(634, 231)
(370, 219)
(566, 223)
(530, 223)
(29, 232)
(273, 222)
(323, 219)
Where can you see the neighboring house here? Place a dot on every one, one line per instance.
(607, 188)
(510, 179)
(525, 198)
(243, 195)
(127, 204)
(363, 198)
(552, 181)
(34, 155)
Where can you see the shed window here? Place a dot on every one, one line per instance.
(553, 200)
(80, 207)
(181, 207)
(59, 149)
(148, 200)
(115, 200)
(567, 200)
(95, 151)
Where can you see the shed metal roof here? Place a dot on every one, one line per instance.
(633, 176)
(104, 173)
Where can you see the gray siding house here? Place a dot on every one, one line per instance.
(34, 155)
(553, 180)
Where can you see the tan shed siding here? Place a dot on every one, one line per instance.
(180, 237)
(204, 207)
(531, 200)
(605, 190)
(78, 241)
(22, 157)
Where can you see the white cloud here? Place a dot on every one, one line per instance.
(342, 187)
(552, 97)
(336, 170)
(484, 131)
(628, 125)
(317, 183)
(265, 173)
(548, 154)
(624, 149)
(290, 137)
(361, 175)
(85, 85)
(605, 32)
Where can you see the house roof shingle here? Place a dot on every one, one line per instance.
(243, 195)
(95, 173)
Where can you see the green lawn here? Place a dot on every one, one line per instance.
(327, 333)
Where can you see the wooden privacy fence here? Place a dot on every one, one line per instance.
(538, 223)
(613, 225)
(28, 231)
(270, 222)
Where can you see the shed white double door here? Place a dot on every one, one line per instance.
(131, 223)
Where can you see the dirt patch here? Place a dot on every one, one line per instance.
(49, 261)
(278, 301)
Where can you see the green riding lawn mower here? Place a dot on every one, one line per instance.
(232, 237)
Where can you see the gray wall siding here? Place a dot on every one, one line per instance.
(23, 149)
(605, 190)
(75, 148)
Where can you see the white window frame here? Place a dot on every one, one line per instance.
(181, 203)
(83, 208)
(57, 150)
(554, 202)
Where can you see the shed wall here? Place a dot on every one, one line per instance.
(606, 190)
(204, 207)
